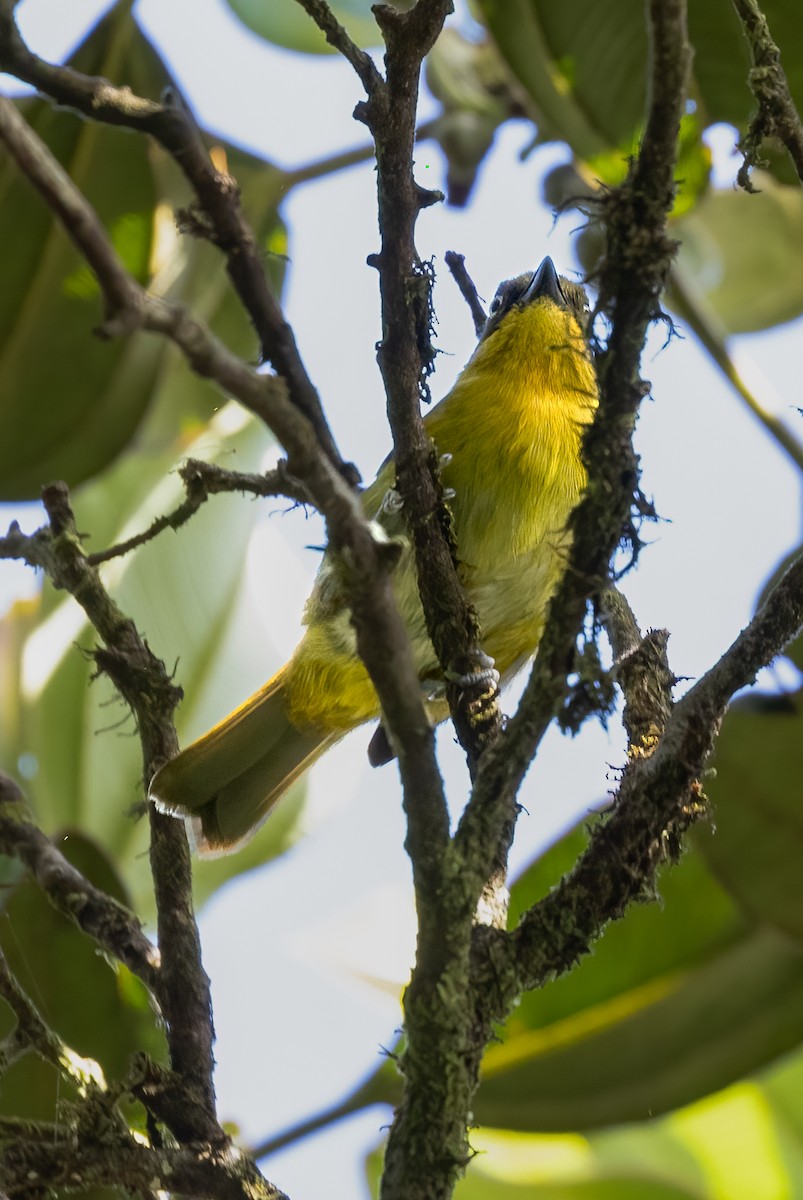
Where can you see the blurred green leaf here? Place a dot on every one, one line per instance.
(677, 1000)
(721, 58)
(755, 846)
(694, 919)
(62, 413)
(71, 402)
(743, 255)
(473, 86)
(15, 626)
(584, 66)
(284, 23)
(656, 1048)
(783, 1087)
(510, 1166)
(98, 1008)
(744, 1141)
(735, 1143)
(584, 71)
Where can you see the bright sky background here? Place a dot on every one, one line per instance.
(286, 948)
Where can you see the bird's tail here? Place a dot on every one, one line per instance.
(227, 782)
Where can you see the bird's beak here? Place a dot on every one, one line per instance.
(545, 282)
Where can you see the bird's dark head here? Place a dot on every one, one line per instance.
(543, 284)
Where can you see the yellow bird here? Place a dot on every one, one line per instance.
(509, 435)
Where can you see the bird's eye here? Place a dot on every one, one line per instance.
(496, 304)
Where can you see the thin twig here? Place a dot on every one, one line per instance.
(468, 290)
(13, 1047)
(185, 989)
(202, 480)
(293, 176)
(84, 1072)
(642, 671)
(46, 1131)
(777, 115)
(338, 37)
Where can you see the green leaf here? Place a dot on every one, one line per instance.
(98, 1008)
(69, 402)
(677, 999)
(584, 70)
(694, 919)
(15, 627)
(738, 1142)
(658, 1047)
(743, 255)
(783, 1087)
(584, 66)
(721, 57)
(744, 1141)
(755, 846)
(284, 23)
(510, 1166)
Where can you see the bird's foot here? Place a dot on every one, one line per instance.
(478, 701)
(482, 671)
(392, 503)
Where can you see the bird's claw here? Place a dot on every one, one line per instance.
(392, 502)
(483, 673)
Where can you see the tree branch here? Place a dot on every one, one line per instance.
(637, 260)
(142, 681)
(184, 1098)
(81, 1164)
(405, 354)
(777, 115)
(658, 798)
(99, 915)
